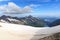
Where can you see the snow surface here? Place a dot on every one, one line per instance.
(21, 32)
(10, 19)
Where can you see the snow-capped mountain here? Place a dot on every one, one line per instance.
(29, 20)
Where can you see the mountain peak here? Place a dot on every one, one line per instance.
(29, 20)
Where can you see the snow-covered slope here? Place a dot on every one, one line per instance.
(21, 32)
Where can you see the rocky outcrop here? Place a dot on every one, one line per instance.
(52, 37)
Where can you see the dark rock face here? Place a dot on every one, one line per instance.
(52, 37)
(55, 23)
(29, 20)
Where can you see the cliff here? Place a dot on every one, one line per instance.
(52, 37)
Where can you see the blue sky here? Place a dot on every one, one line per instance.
(31, 7)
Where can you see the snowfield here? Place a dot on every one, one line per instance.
(21, 32)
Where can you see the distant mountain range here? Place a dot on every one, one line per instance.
(50, 21)
(55, 23)
(28, 20)
(31, 21)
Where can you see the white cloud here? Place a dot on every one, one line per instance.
(27, 9)
(34, 5)
(13, 8)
